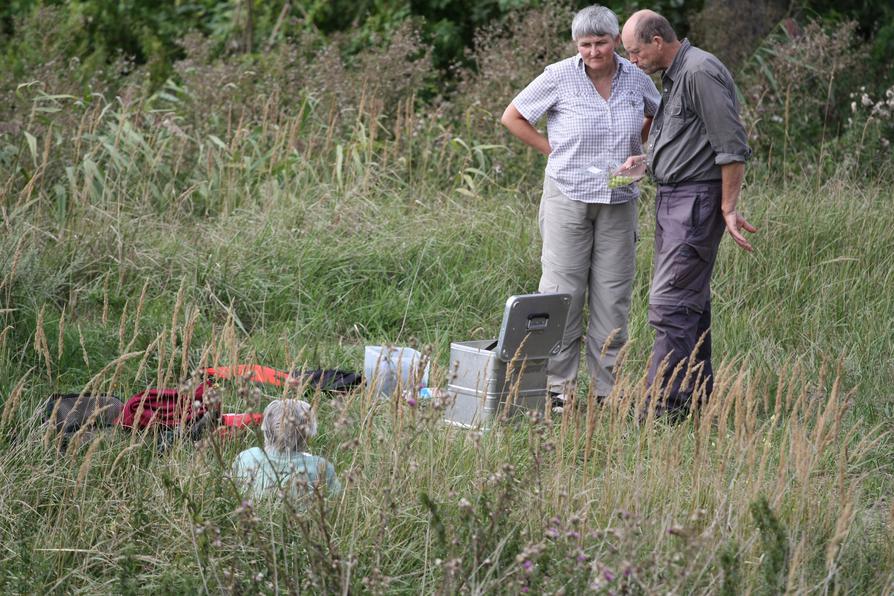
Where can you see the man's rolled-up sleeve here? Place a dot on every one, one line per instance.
(716, 106)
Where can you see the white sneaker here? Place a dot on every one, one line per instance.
(558, 402)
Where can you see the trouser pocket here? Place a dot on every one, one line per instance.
(691, 266)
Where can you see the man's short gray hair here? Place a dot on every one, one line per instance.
(594, 21)
(654, 25)
(288, 424)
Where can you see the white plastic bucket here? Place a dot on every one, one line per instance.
(387, 368)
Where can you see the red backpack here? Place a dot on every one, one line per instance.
(167, 408)
(171, 408)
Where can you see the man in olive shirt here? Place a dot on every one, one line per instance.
(696, 154)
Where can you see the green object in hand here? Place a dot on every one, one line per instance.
(616, 181)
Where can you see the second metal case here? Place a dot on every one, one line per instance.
(507, 374)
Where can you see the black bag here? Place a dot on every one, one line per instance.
(329, 380)
(69, 412)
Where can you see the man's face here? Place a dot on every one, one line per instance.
(597, 51)
(647, 56)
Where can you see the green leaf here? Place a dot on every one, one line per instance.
(32, 145)
(339, 163)
(216, 140)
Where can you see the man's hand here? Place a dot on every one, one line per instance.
(634, 161)
(734, 223)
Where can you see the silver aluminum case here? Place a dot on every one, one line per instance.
(489, 378)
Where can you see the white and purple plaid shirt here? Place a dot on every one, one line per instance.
(584, 129)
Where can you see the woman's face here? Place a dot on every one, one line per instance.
(597, 51)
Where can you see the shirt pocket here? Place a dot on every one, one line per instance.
(580, 104)
(675, 116)
(582, 113)
(633, 101)
(675, 108)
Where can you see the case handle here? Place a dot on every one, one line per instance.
(537, 322)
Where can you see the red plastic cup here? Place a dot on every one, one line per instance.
(232, 424)
(242, 420)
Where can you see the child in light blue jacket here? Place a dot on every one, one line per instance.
(283, 462)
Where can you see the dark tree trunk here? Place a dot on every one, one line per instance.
(733, 29)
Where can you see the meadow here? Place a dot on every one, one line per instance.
(144, 239)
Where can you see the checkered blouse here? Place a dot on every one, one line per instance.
(586, 130)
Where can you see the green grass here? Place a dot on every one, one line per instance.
(181, 251)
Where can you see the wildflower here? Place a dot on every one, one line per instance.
(853, 106)
(608, 575)
(411, 401)
(866, 100)
(244, 507)
(528, 566)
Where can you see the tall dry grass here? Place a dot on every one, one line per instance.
(145, 238)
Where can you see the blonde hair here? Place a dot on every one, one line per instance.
(288, 424)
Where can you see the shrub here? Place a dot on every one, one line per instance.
(509, 55)
(801, 108)
(791, 86)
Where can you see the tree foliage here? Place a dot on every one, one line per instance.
(149, 30)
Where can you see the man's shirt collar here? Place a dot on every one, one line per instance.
(677, 62)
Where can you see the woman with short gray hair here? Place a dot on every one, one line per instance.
(593, 21)
(598, 109)
(283, 463)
